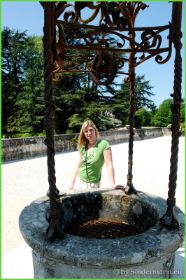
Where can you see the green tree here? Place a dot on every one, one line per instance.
(30, 100)
(13, 65)
(143, 117)
(163, 115)
(77, 99)
(142, 98)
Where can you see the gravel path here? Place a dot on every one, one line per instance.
(26, 180)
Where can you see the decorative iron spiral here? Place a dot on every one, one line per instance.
(104, 68)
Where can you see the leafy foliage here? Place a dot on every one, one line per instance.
(29, 102)
(142, 98)
(143, 117)
(163, 115)
(76, 96)
(13, 65)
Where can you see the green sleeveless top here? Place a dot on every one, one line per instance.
(92, 162)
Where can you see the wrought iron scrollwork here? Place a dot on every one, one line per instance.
(103, 69)
(93, 39)
(114, 20)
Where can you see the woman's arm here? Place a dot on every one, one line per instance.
(109, 164)
(75, 173)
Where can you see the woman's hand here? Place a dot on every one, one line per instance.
(114, 186)
(118, 187)
(71, 188)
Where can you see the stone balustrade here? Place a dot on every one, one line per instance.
(22, 148)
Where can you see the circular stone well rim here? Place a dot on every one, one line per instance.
(138, 249)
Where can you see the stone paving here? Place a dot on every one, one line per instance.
(26, 180)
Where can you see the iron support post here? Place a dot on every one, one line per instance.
(129, 189)
(169, 219)
(54, 214)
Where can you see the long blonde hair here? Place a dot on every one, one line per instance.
(82, 141)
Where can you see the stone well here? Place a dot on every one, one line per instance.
(147, 251)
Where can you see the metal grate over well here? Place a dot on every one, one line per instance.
(103, 229)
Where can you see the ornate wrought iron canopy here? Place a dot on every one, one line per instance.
(101, 42)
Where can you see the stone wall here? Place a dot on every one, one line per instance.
(21, 148)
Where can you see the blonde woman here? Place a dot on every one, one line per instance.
(93, 152)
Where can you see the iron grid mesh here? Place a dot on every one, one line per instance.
(103, 229)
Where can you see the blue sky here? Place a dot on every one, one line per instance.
(29, 16)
